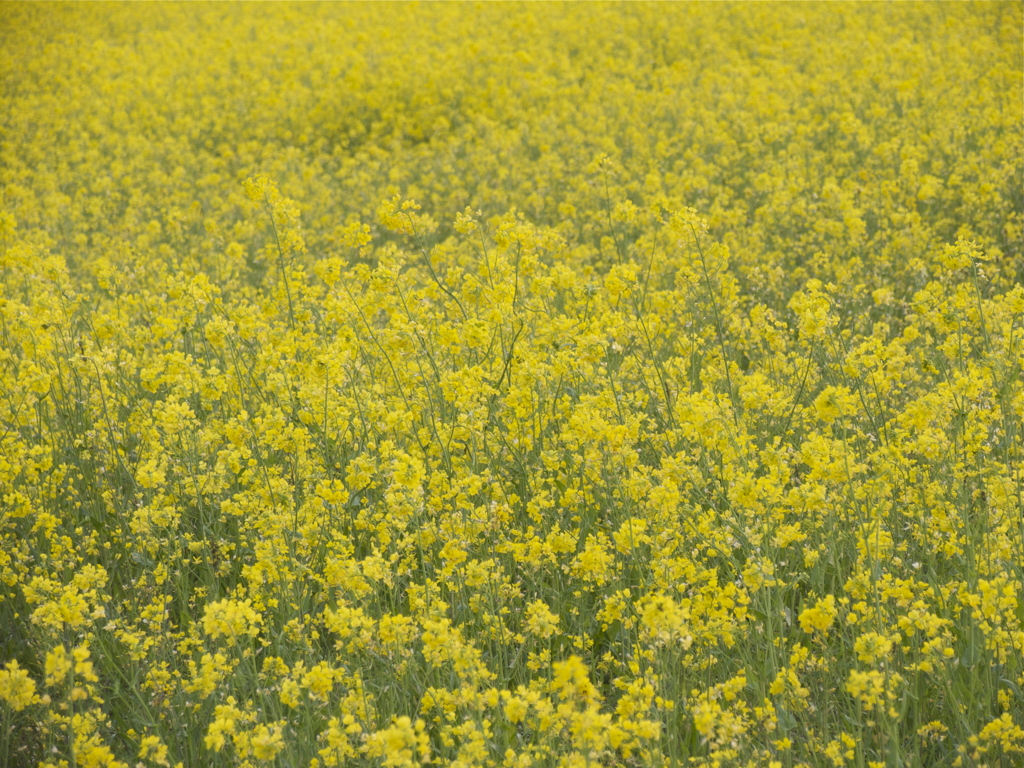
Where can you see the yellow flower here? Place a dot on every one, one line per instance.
(813, 310)
(232, 619)
(665, 621)
(1005, 733)
(319, 681)
(516, 709)
(571, 680)
(225, 719)
(551, 360)
(402, 744)
(152, 749)
(834, 403)
(58, 664)
(868, 687)
(290, 693)
(266, 742)
(872, 647)
(83, 667)
(540, 621)
(17, 689)
(820, 617)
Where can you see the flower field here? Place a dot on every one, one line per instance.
(512, 385)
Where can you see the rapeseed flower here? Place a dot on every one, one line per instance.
(17, 688)
(511, 384)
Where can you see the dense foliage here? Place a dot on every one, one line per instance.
(511, 385)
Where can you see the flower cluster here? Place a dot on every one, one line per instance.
(511, 385)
